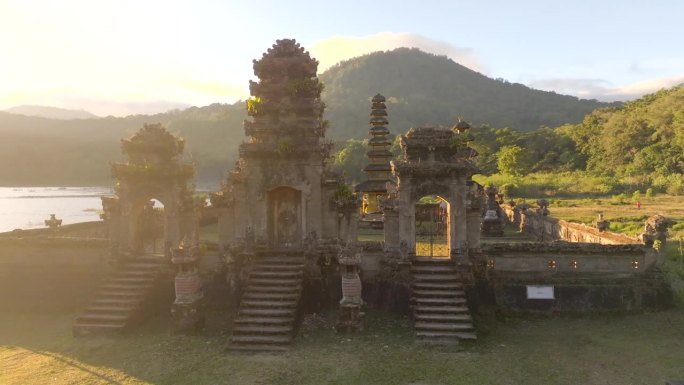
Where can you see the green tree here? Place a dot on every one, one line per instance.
(351, 159)
(512, 160)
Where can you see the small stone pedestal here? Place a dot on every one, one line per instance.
(188, 309)
(493, 218)
(350, 317)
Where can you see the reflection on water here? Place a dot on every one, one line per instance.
(28, 207)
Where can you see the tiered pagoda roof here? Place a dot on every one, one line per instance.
(378, 170)
(436, 150)
(285, 107)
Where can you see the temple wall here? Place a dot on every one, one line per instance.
(582, 277)
(53, 274)
(549, 229)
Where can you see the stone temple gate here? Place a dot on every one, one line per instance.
(436, 161)
(152, 171)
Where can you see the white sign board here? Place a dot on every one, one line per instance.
(540, 292)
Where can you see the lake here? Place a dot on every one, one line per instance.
(28, 207)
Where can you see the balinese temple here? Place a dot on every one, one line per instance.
(279, 189)
(378, 171)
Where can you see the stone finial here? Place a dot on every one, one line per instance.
(53, 223)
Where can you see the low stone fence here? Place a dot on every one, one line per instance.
(51, 273)
(577, 277)
(549, 229)
(53, 251)
(557, 257)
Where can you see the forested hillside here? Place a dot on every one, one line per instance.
(424, 88)
(613, 150)
(642, 141)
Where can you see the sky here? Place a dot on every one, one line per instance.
(125, 57)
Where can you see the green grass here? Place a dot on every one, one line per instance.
(632, 349)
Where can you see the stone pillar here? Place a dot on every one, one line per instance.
(226, 226)
(240, 214)
(391, 229)
(473, 224)
(407, 220)
(459, 238)
(352, 225)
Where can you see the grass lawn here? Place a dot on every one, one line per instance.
(617, 349)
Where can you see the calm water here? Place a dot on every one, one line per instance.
(28, 207)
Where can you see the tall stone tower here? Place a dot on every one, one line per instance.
(278, 190)
(378, 171)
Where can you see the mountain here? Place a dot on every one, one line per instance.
(420, 88)
(51, 112)
(424, 88)
(52, 152)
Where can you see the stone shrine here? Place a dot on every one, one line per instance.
(378, 171)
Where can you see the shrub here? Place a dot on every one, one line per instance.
(620, 199)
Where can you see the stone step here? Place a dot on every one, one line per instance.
(267, 304)
(141, 265)
(118, 302)
(420, 285)
(446, 334)
(264, 320)
(280, 261)
(438, 293)
(432, 269)
(436, 326)
(267, 274)
(133, 279)
(273, 289)
(271, 296)
(84, 328)
(126, 287)
(277, 312)
(432, 261)
(436, 277)
(141, 270)
(261, 329)
(115, 295)
(440, 301)
(275, 282)
(278, 267)
(109, 319)
(103, 309)
(422, 309)
(258, 347)
(260, 339)
(441, 317)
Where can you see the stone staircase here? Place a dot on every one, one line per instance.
(120, 301)
(268, 308)
(440, 308)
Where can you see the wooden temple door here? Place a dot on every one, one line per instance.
(284, 218)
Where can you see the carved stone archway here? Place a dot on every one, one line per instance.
(436, 161)
(152, 171)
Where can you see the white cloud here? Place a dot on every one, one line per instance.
(603, 90)
(333, 50)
